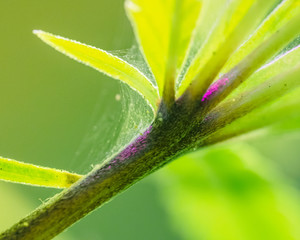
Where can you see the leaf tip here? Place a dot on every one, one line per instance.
(51, 39)
(44, 36)
(130, 5)
(40, 33)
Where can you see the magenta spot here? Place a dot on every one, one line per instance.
(135, 147)
(207, 118)
(214, 88)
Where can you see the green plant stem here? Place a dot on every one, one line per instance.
(157, 146)
(174, 132)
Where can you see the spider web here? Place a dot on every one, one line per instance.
(115, 122)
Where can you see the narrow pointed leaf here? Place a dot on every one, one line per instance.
(283, 63)
(273, 101)
(280, 16)
(281, 115)
(105, 63)
(241, 72)
(260, 95)
(229, 193)
(25, 173)
(154, 23)
(206, 23)
(233, 26)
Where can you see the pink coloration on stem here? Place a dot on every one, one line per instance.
(215, 87)
(138, 145)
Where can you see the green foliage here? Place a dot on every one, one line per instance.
(229, 193)
(282, 64)
(217, 75)
(181, 53)
(19, 172)
(103, 62)
(279, 17)
(164, 29)
(231, 24)
(281, 117)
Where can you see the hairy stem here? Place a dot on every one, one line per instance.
(158, 145)
(175, 131)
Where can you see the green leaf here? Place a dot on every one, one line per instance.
(19, 172)
(282, 64)
(163, 29)
(278, 116)
(229, 193)
(251, 110)
(229, 24)
(279, 17)
(246, 67)
(265, 91)
(241, 72)
(105, 63)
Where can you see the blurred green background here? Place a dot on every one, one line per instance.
(58, 113)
